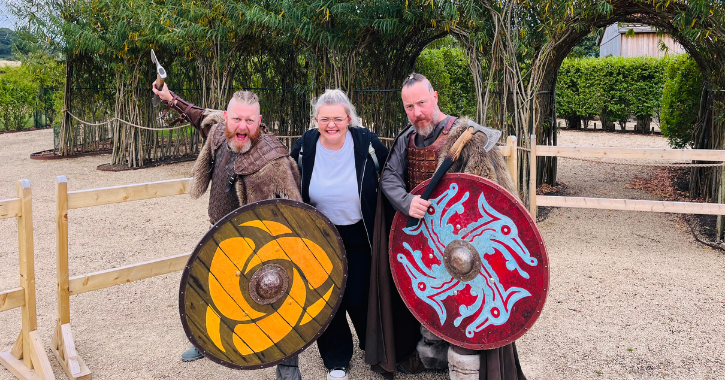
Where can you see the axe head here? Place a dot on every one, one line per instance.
(492, 135)
(160, 72)
(160, 78)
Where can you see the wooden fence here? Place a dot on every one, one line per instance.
(27, 358)
(621, 204)
(62, 342)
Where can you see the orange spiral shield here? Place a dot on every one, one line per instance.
(262, 284)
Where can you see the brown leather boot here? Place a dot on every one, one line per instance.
(411, 364)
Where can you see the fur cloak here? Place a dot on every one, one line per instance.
(393, 332)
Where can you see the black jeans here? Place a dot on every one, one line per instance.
(335, 344)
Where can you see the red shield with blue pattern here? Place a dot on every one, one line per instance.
(474, 271)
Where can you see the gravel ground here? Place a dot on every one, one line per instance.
(632, 295)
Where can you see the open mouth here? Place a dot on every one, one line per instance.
(332, 132)
(241, 137)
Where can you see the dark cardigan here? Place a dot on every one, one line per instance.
(367, 177)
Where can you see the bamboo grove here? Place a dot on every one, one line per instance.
(290, 50)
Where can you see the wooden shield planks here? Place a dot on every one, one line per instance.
(474, 271)
(262, 284)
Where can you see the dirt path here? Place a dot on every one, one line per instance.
(632, 295)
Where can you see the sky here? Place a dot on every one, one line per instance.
(7, 20)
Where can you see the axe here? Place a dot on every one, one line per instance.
(451, 157)
(160, 77)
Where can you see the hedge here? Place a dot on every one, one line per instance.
(614, 88)
(34, 86)
(680, 101)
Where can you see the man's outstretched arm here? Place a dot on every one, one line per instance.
(187, 111)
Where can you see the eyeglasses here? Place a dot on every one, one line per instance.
(327, 120)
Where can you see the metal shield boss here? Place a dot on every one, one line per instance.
(474, 271)
(262, 284)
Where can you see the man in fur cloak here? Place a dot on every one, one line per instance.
(238, 153)
(394, 336)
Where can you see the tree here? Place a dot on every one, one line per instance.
(7, 38)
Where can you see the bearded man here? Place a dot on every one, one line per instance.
(238, 153)
(394, 336)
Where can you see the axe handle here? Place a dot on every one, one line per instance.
(159, 82)
(451, 157)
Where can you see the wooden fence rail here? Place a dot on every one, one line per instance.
(27, 358)
(621, 204)
(62, 342)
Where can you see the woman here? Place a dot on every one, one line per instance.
(340, 162)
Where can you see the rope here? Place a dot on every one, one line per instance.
(635, 164)
(124, 122)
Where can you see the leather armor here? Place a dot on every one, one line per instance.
(422, 162)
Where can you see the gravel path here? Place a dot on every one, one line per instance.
(632, 295)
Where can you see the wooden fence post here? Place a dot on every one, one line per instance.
(27, 267)
(62, 343)
(720, 199)
(512, 161)
(28, 346)
(532, 178)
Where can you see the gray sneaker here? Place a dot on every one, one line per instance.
(191, 354)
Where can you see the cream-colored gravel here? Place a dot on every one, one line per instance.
(632, 295)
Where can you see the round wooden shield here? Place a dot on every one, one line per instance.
(262, 284)
(474, 271)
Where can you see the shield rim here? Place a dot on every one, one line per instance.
(209, 234)
(544, 258)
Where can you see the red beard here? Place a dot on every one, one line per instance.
(235, 146)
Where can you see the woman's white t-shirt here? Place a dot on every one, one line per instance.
(333, 187)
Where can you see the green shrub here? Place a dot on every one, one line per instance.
(615, 88)
(18, 97)
(577, 97)
(680, 101)
(447, 69)
(34, 86)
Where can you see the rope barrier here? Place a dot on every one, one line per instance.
(391, 139)
(662, 164)
(124, 122)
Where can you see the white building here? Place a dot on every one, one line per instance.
(645, 42)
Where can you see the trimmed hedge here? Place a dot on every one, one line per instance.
(680, 101)
(614, 88)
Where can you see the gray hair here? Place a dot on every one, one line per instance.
(334, 97)
(414, 78)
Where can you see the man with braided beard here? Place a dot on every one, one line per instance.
(394, 336)
(244, 164)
